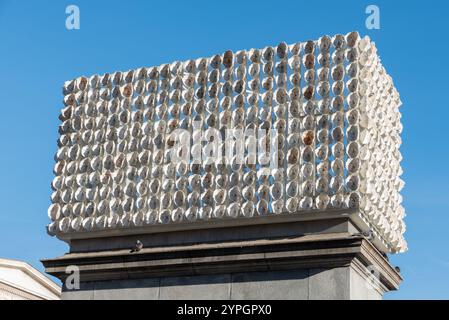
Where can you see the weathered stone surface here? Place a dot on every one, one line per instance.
(215, 287)
(326, 284)
(314, 284)
(276, 285)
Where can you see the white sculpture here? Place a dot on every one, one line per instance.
(335, 134)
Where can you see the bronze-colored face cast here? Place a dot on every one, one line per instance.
(309, 92)
(201, 64)
(309, 47)
(69, 100)
(352, 55)
(338, 73)
(323, 74)
(139, 88)
(82, 83)
(324, 89)
(352, 38)
(189, 66)
(200, 92)
(239, 86)
(81, 97)
(69, 87)
(105, 80)
(117, 78)
(66, 113)
(324, 43)
(116, 92)
(144, 158)
(268, 68)
(280, 126)
(228, 59)
(173, 124)
(293, 156)
(152, 74)
(295, 48)
(262, 207)
(227, 89)
(281, 96)
(215, 62)
(268, 54)
(295, 79)
(127, 90)
(164, 71)
(267, 83)
(324, 59)
(254, 55)
(241, 57)
(141, 73)
(309, 61)
(307, 138)
(281, 50)
(280, 157)
(213, 91)
(339, 41)
(254, 70)
(129, 76)
(171, 141)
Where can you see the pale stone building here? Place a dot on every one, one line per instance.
(20, 281)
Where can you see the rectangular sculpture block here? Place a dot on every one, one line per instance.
(284, 130)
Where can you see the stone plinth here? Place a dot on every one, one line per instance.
(316, 259)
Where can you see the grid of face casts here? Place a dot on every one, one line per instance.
(288, 129)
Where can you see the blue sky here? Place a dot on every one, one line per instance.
(37, 54)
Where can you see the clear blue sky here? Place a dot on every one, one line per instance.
(37, 54)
